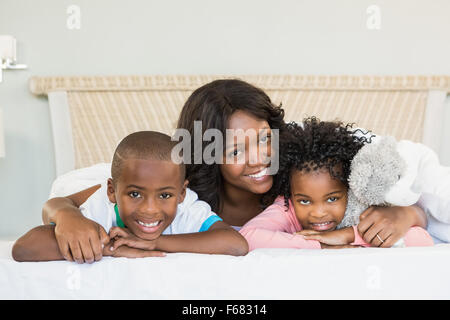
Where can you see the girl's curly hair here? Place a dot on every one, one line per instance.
(314, 145)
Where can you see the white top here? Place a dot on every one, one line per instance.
(193, 215)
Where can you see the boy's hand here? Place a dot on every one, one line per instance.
(340, 237)
(80, 239)
(123, 237)
(128, 252)
(389, 223)
(125, 244)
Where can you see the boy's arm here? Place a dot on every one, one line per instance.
(219, 239)
(78, 238)
(38, 244)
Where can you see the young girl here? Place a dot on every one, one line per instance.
(312, 184)
(237, 192)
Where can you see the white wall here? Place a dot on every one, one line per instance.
(191, 37)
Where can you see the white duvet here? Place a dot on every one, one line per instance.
(363, 273)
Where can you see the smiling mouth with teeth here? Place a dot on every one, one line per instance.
(260, 174)
(323, 226)
(149, 225)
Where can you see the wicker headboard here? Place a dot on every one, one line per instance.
(90, 115)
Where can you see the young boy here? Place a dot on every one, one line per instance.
(145, 206)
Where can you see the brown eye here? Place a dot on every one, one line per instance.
(264, 139)
(234, 153)
(134, 194)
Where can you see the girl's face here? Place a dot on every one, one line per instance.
(319, 200)
(246, 155)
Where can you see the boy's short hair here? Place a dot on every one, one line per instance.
(145, 145)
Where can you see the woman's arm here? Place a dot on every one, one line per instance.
(56, 207)
(78, 238)
(389, 223)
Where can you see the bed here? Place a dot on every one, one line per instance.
(91, 114)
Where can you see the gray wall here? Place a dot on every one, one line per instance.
(194, 37)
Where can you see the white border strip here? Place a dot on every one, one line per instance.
(62, 132)
(2, 135)
(433, 122)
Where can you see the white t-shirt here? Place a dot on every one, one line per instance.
(193, 215)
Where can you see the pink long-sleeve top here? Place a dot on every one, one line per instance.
(275, 228)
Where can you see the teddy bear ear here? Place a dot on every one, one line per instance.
(374, 170)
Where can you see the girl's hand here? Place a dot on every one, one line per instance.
(389, 224)
(123, 237)
(346, 246)
(340, 237)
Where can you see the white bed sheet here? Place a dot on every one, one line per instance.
(365, 273)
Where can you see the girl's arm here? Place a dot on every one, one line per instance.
(390, 223)
(263, 238)
(275, 228)
(78, 238)
(219, 239)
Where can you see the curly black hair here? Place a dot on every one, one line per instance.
(314, 145)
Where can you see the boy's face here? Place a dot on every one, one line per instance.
(147, 194)
(319, 200)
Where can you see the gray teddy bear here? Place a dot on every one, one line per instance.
(401, 173)
(375, 169)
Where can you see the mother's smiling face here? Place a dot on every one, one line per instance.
(222, 105)
(245, 160)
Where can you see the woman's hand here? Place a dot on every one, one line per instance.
(384, 226)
